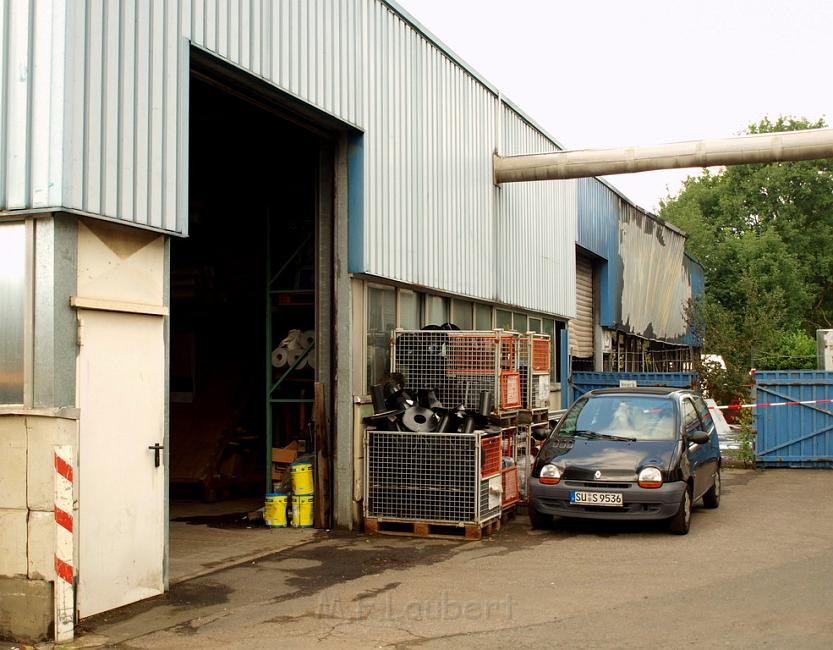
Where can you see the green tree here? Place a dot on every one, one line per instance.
(764, 234)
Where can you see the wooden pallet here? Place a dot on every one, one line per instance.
(533, 416)
(411, 528)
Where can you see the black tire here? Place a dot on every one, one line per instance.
(538, 520)
(711, 499)
(680, 523)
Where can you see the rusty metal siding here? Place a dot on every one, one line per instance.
(655, 286)
(647, 280)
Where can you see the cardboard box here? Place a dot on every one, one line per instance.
(282, 457)
(286, 454)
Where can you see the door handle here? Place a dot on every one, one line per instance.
(156, 449)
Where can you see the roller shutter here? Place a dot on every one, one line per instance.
(581, 327)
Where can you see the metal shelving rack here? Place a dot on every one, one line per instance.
(273, 387)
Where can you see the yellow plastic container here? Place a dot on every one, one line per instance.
(301, 473)
(274, 514)
(302, 511)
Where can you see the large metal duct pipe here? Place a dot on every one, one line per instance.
(811, 144)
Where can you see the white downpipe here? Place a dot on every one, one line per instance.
(811, 144)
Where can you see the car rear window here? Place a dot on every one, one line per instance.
(630, 416)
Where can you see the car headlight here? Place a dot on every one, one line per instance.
(650, 477)
(550, 474)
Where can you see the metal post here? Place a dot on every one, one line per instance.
(566, 397)
(268, 356)
(64, 597)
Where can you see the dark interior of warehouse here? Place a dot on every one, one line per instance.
(252, 206)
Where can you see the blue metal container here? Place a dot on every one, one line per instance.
(581, 382)
(794, 435)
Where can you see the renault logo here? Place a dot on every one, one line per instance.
(598, 474)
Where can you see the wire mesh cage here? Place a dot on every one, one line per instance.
(459, 365)
(523, 458)
(511, 487)
(534, 355)
(426, 477)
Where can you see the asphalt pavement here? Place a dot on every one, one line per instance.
(757, 572)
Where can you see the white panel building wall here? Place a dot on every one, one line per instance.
(32, 42)
(94, 118)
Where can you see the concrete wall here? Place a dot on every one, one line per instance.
(27, 543)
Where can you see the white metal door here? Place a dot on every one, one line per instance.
(121, 491)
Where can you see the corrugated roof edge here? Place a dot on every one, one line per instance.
(408, 18)
(451, 54)
(694, 259)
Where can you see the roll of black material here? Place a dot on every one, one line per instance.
(468, 424)
(428, 399)
(445, 422)
(485, 407)
(401, 399)
(377, 394)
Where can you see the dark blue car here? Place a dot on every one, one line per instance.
(631, 454)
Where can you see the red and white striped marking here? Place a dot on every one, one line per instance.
(64, 546)
(760, 406)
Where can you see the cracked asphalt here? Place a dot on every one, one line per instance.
(757, 572)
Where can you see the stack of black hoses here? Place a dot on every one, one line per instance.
(396, 408)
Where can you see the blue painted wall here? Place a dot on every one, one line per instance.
(600, 214)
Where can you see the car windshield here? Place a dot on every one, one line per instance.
(620, 416)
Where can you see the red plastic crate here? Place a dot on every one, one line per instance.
(511, 487)
(510, 390)
(541, 356)
(489, 456)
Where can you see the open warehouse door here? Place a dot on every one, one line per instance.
(249, 294)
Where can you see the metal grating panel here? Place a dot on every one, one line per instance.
(459, 365)
(425, 477)
(491, 491)
(534, 354)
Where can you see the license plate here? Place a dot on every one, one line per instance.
(613, 499)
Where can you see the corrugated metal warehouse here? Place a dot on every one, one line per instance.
(184, 184)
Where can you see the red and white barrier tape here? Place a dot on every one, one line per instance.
(760, 406)
(64, 548)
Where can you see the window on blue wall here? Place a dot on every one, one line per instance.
(436, 310)
(482, 316)
(381, 321)
(410, 309)
(503, 319)
(461, 314)
(12, 303)
(520, 323)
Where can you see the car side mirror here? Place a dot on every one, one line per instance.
(540, 434)
(699, 438)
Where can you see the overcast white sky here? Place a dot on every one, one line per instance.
(607, 73)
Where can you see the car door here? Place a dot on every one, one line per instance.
(713, 459)
(698, 455)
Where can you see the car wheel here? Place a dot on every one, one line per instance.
(680, 523)
(711, 499)
(539, 520)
